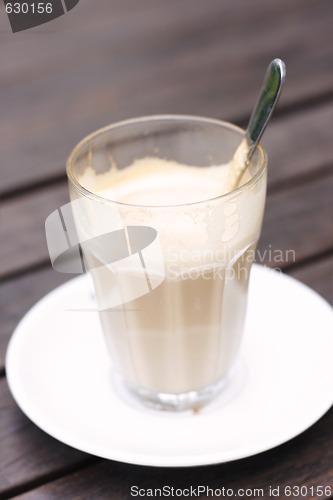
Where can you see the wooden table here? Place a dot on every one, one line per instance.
(107, 60)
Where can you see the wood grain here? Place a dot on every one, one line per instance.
(23, 227)
(298, 222)
(109, 29)
(26, 451)
(299, 145)
(18, 295)
(205, 71)
(107, 60)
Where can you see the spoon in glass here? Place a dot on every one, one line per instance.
(268, 97)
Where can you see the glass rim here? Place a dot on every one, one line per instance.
(164, 117)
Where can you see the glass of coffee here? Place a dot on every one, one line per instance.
(169, 250)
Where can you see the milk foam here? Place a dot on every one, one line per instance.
(181, 202)
(157, 182)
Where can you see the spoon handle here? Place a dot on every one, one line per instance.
(268, 97)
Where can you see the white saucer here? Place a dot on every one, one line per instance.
(59, 374)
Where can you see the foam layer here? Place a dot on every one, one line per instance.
(157, 182)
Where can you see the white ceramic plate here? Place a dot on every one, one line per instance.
(60, 375)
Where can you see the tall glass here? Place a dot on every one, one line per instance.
(171, 281)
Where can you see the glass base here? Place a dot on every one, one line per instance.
(193, 400)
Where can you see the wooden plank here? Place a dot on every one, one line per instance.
(109, 29)
(18, 295)
(297, 219)
(23, 222)
(299, 144)
(298, 223)
(26, 451)
(30, 455)
(304, 461)
(217, 74)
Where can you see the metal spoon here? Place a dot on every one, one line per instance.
(268, 97)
